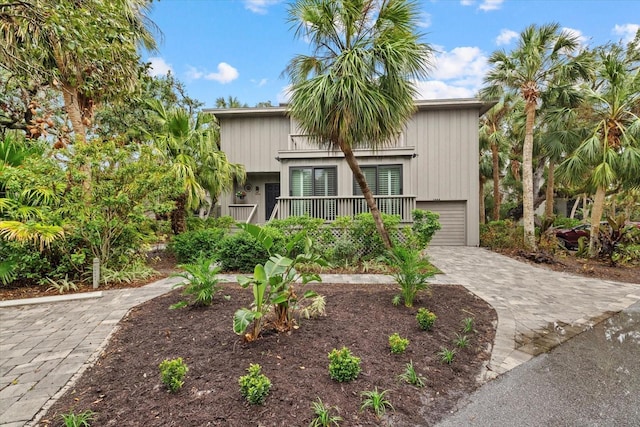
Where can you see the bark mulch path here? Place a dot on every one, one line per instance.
(124, 389)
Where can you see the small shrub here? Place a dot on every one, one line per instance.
(467, 325)
(126, 274)
(242, 251)
(343, 366)
(425, 225)
(425, 319)
(172, 373)
(201, 282)
(323, 417)
(62, 285)
(461, 341)
(411, 376)
(376, 401)
(191, 245)
(397, 343)
(562, 222)
(78, 420)
(446, 355)
(411, 272)
(254, 386)
(502, 234)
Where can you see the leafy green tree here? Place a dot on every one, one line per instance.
(545, 59)
(609, 157)
(190, 147)
(85, 49)
(356, 89)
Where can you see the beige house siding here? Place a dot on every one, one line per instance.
(438, 151)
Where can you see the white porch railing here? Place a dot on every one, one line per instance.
(243, 212)
(328, 208)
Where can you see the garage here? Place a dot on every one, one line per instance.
(453, 220)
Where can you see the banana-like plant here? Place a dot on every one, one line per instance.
(273, 287)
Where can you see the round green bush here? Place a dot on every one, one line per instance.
(191, 245)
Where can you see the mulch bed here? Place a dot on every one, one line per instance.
(124, 389)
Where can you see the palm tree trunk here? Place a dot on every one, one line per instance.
(575, 207)
(596, 216)
(527, 178)
(178, 215)
(496, 182)
(366, 192)
(548, 209)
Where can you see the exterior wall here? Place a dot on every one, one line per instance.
(438, 151)
(254, 141)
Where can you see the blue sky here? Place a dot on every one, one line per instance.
(239, 48)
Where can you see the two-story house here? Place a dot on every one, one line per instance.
(433, 165)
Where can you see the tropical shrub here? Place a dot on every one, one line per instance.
(343, 366)
(273, 287)
(425, 318)
(411, 271)
(254, 386)
(322, 415)
(201, 282)
(172, 373)
(397, 344)
(191, 245)
(425, 225)
(503, 234)
(293, 226)
(376, 401)
(241, 251)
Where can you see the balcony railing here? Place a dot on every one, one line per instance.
(242, 212)
(328, 208)
(304, 143)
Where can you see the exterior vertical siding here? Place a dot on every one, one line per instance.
(254, 141)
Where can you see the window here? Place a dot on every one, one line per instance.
(314, 182)
(383, 180)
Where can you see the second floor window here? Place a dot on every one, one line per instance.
(383, 180)
(313, 181)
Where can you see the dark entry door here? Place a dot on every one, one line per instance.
(271, 194)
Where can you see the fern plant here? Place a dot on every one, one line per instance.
(411, 272)
(201, 282)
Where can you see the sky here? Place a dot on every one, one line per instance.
(240, 48)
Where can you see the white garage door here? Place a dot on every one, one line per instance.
(453, 220)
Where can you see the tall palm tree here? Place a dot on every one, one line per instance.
(544, 59)
(356, 89)
(493, 136)
(610, 156)
(190, 146)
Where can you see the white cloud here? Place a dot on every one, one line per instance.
(627, 31)
(467, 2)
(226, 74)
(458, 73)
(260, 82)
(259, 6)
(490, 5)
(434, 89)
(285, 95)
(424, 20)
(193, 73)
(159, 67)
(505, 37)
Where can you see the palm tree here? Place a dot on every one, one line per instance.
(229, 102)
(543, 60)
(610, 156)
(493, 136)
(190, 146)
(357, 87)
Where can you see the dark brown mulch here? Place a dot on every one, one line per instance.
(124, 387)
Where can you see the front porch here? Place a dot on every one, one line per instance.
(328, 207)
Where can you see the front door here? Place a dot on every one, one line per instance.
(271, 194)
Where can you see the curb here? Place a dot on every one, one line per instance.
(57, 298)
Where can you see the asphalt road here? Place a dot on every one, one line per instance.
(590, 380)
